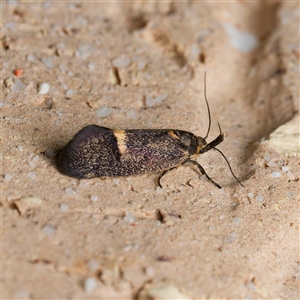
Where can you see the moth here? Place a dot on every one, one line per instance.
(97, 151)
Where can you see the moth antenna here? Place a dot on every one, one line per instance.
(227, 159)
(208, 110)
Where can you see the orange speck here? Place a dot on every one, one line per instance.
(18, 72)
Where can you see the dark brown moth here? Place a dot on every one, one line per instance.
(97, 151)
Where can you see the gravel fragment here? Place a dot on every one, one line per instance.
(70, 191)
(121, 62)
(103, 112)
(93, 265)
(276, 174)
(48, 62)
(129, 218)
(242, 41)
(18, 86)
(50, 153)
(90, 284)
(43, 88)
(31, 175)
(69, 93)
(259, 198)
(49, 229)
(94, 198)
(64, 207)
(7, 177)
(285, 169)
(132, 114)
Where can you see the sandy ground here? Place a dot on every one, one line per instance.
(142, 65)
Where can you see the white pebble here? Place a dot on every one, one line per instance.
(84, 51)
(91, 66)
(93, 265)
(240, 40)
(116, 180)
(285, 169)
(259, 198)
(121, 62)
(236, 221)
(18, 86)
(30, 57)
(31, 175)
(49, 229)
(103, 112)
(267, 157)
(149, 101)
(160, 98)
(276, 174)
(149, 271)
(132, 114)
(69, 93)
(90, 284)
(94, 198)
(20, 148)
(7, 177)
(43, 88)
(2, 104)
(48, 62)
(250, 195)
(70, 191)
(129, 218)
(64, 207)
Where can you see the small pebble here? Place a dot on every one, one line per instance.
(49, 229)
(121, 62)
(149, 101)
(132, 114)
(94, 198)
(236, 221)
(20, 148)
(31, 175)
(69, 93)
(49, 102)
(43, 88)
(49, 153)
(7, 177)
(259, 198)
(2, 104)
(70, 191)
(116, 180)
(84, 51)
(64, 207)
(91, 66)
(103, 112)
(48, 62)
(250, 195)
(240, 40)
(18, 86)
(93, 265)
(285, 169)
(30, 57)
(129, 218)
(149, 271)
(267, 157)
(276, 174)
(90, 284)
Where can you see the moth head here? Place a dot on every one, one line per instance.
(201, 143)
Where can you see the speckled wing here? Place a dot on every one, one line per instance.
(99, 152)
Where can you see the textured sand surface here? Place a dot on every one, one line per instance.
(141, 65)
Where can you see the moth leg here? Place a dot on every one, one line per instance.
(202, 171)
(163, 174)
